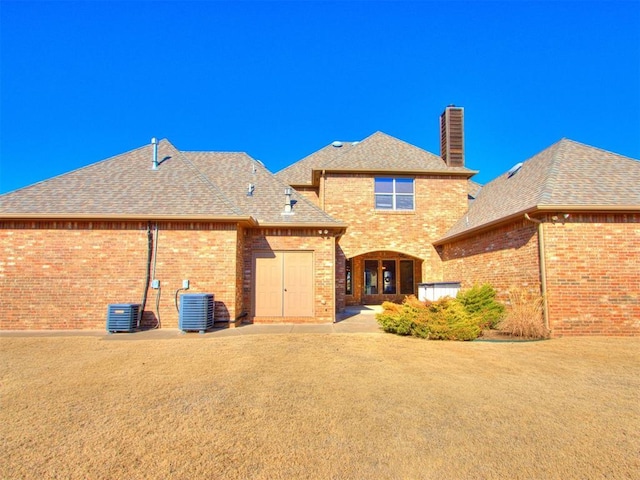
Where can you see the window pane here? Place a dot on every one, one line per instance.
(404, 185)
(404, 202)
(406, 277)
(389, 276)
(384, 202)
(348, 277)
(384, 185)
(370, 277)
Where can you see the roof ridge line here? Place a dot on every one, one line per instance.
(552, 173)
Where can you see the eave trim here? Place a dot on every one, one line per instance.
(135, 217)
(540, 209)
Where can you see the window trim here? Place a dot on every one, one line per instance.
(394, 194)
(348, 276)
(405, 291)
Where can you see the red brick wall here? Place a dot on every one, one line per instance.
(240, 274)
(593, 275)
(62, 275)
(504, 257)
(310, 193)
(340, 280)
(205, 254)
(439, 202)
(592, 264)
(295, 240)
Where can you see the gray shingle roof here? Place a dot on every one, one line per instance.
(186, 185)
(377, 153)
(566, 176)
(234, 172)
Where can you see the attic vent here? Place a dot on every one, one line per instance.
(513, 170)
(122, 317)
(337, 144)
(196, 312)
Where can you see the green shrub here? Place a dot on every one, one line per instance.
(480, 302)
(448, 320)
(445, 319)
(395, 319)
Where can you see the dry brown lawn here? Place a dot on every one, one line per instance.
(334, 406)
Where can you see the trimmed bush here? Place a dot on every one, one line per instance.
(445, 319)
(480, 302)
(395, 319)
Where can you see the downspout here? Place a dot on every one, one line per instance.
(543, 269)
(148, 273)
(333, 274)
(153, 276)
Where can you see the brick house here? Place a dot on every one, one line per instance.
(365, 222)
(396, 200)
(76, 243)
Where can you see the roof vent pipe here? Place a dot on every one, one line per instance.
(287, 204)
(154, 142)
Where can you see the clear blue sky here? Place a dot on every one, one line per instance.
(83, 81)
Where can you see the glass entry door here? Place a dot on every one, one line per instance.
(371, 277)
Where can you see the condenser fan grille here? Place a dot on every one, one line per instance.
(196, 312)
(122, 317)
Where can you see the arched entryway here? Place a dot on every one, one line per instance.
(381, 276)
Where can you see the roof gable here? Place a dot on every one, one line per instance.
(377, 153)
(567, 175)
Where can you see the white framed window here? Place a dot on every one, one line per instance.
(394, 193)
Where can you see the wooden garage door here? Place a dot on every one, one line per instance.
(283, 284)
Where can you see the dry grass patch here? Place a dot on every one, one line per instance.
(318, 406)
(524, 317)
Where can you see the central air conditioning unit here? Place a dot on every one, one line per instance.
(196, 312)
(122, 317)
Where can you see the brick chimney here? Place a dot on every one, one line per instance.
(452, 136)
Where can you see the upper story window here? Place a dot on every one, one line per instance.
(394, 193)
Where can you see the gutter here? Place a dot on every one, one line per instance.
(98, 217)
(394, 171)
(543, 269)
(631, 209)
(478, 229)
(317, 173)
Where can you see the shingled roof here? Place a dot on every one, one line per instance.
(186, 185)
(235, 172)
(567, 176)
(377, 153)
